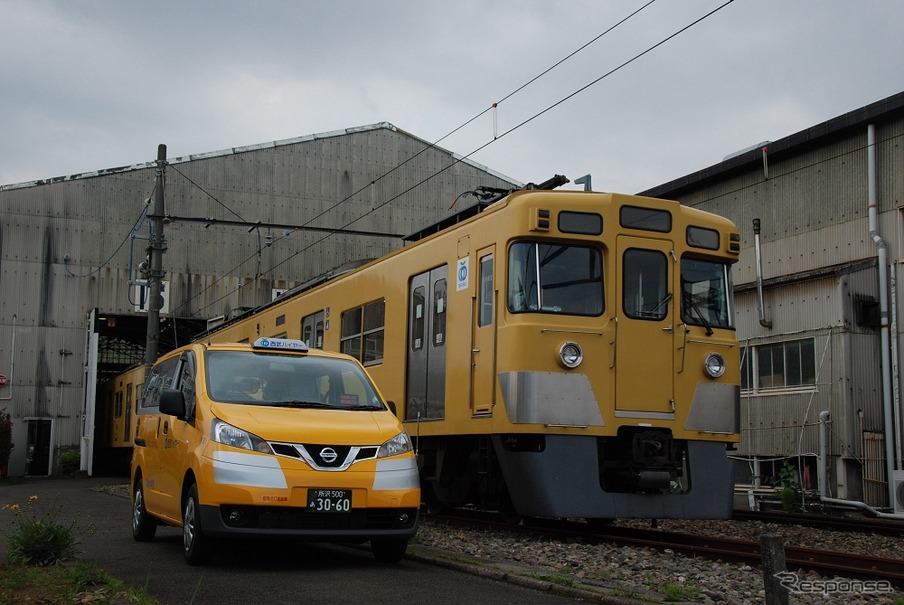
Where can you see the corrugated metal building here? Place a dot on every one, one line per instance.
(242, 225)
(814, 342)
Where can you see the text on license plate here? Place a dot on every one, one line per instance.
(330, 500)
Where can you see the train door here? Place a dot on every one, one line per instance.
(426, 382)
(312, 330)
(644, 379)
(483, 339)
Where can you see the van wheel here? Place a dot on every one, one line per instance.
(389, 550)
(196, 546)
(144, 527)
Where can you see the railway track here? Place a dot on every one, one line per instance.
(825, 563)
(838, 523)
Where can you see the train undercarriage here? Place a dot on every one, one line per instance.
(642, 472)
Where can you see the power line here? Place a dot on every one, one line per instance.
(491, 141)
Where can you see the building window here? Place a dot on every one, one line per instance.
(362, 332)
(781, 365)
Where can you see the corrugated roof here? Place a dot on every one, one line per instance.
(246, 148)
(880, 111)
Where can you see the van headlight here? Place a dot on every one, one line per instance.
(225, 433)
(400, 444)
(714, 365)
(571, 355)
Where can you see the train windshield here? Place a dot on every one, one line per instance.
(706, 294)
(280, 380)
(555, 278)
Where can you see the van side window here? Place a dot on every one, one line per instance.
(187, 383)
(162, 376)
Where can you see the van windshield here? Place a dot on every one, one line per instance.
(272, 379)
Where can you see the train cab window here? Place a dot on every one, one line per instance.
(648, 219)
(586, 223)
(700, 237)
(645, 291)
(706, 294)
(555, 278)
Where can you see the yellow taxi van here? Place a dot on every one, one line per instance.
(270, 439)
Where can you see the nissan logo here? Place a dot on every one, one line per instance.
(328, 455)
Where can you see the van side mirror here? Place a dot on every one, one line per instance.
(172, 402)
(392, 408)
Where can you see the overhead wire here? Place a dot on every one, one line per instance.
(428, 147)
(458, 160)
(136, 225)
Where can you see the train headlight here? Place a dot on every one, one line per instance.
(714, 365)
(571, 355)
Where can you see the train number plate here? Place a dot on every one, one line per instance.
(330, 500)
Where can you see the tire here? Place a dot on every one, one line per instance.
(195, 545)
(144, 526)
(389, 550)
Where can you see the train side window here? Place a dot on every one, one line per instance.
(485, 313)
(439, 313)
(127, 429)
(417, 322)
(645, 288)
(362, 332)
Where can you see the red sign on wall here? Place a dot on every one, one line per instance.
(3, 380)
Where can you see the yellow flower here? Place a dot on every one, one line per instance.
(32, 498)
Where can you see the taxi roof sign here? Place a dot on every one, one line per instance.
(282, 344)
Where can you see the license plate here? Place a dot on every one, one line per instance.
(330, 500)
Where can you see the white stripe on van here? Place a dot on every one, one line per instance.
(398, 473)
(237, 468)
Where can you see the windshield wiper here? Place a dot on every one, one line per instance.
(693, 305)
(296, 404)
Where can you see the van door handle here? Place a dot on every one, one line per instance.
(668, 329)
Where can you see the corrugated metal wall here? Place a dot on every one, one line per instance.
(813, 208)
(67, 245)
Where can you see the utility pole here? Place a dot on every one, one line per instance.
(156, 248)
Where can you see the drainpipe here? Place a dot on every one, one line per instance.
(759, 275)
(887, 404)
(823, 467)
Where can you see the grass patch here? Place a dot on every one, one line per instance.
(63, 585)
(554, 579)
(679, 591)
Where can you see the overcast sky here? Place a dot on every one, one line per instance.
(88, 85)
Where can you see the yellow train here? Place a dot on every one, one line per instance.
(559, 353)
(118, 400)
